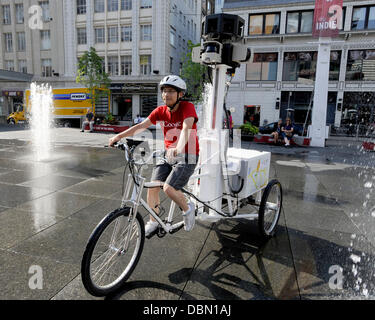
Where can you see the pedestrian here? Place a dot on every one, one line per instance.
(138, 119)
(178, 121)
(287, 132)
(276, 134)
(89, 120)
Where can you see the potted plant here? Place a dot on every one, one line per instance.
(109, 119)
(248, 131)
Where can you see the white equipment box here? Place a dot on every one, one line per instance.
(250, 165)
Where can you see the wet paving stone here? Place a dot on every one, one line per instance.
(14, 195)
(62, 203)
(17, 269)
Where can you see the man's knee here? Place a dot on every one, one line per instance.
(168, 189)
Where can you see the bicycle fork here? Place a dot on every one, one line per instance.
(133, 203)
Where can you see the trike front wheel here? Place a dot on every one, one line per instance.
(112, 252)
(270, 208)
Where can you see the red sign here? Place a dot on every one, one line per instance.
(327, 18)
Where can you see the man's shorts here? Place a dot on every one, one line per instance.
(176, 175)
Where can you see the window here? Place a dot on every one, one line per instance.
(263, 67)
(113, 66)
(334, 65)
(126, 4)
(19, 13)
(146, 32)
(99, 35)
(363, 18)
(22, 66)
(9, 65)
(112, 34)
(8, 42)
(21, 41)
(171, 64)
(172, 38)
(299, 22)
(45, 39)
(146, 4)
(81, 6)
(81, 36)
(145, 64)
(112, 5)
(103, 64)
(264, 23)
(299, 65)
(148, 104)
(126, 65)
(360, 65)
(6, 14)
(46, 68)
(99, 6)
(126, 33)
(45, 10)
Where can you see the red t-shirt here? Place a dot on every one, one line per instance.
(171, 124)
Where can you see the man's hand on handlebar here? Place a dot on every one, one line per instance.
(113, 140)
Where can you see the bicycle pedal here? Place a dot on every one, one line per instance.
(161, 232)
(152, 234)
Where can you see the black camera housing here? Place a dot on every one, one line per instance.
(221, 27)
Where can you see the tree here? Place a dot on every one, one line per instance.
(194, 75)
(91, 74)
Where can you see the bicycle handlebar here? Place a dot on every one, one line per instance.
(129, 153)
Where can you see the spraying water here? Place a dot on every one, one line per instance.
(40, 120)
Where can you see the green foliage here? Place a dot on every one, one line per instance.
(90, 74)
(248, 128)
(194, 75)
(109, 119)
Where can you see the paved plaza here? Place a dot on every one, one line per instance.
(324, 247)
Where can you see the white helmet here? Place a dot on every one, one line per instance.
(174, 82)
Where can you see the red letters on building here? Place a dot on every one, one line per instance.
(327, 18)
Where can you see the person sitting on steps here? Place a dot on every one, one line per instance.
(287, 132)
(89, 120)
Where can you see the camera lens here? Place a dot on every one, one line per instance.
(212, 48)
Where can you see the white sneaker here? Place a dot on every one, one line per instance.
(189, 217)
(150, 227)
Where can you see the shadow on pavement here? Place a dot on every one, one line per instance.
(237, 264)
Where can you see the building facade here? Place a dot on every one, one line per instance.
(279, 79)
(140, 42)
(31, 43)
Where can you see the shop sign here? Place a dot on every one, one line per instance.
(134, 87)
(327, 18)
(12, 93)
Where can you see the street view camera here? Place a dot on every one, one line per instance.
(222, 41)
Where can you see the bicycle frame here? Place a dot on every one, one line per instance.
(136, 199)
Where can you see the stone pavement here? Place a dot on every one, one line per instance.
(324, 247)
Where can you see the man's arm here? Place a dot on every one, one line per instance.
(138, 128)
(184, 136)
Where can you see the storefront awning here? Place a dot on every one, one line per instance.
(6, 76)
